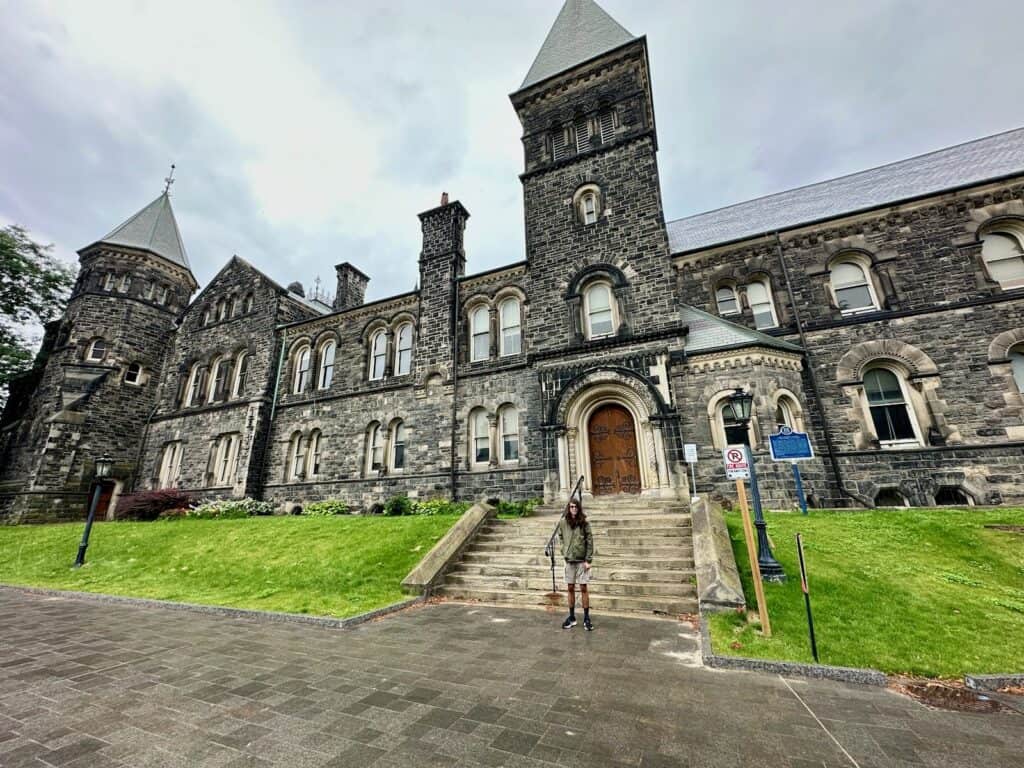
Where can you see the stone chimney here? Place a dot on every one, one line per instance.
(351, 287)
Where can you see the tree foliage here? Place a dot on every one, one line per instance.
(33, 290)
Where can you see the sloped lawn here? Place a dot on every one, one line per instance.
(924, 592)
(328, 566)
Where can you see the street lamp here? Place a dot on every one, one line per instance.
(103, 465)
(741, 403)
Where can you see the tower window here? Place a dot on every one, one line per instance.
(133, 374)
(600, 317)
(126, 282)
(607, 125)
(582, 127)
(559, 144)
(97, 351)
(108, 281)
(163, 294)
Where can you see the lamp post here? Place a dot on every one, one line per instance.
(103, 465)
(741, 403)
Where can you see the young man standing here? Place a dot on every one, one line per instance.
(578, 550)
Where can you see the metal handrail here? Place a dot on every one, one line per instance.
(549, 550)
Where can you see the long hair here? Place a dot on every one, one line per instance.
(579, 518)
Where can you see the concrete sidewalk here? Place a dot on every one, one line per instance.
(86, 684)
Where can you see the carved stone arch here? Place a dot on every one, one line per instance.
(851, 365)
(299, 342)
(991, 217)
(371, 327)
(646, 396)
(999, 349)
(509, 291)
(401, 317)
(474, 300)
(592, 271)
(325, 335)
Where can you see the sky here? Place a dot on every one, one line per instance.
(310, 133)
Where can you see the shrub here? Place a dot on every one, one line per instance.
(397, 506)
(149, 505)
(326, 508)
(231, 509)
(439, 507)
(523, 508)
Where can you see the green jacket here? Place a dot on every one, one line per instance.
(577, 543)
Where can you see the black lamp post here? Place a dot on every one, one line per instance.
(103, 465)
(742, 403)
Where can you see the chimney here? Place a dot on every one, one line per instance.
(351, 287)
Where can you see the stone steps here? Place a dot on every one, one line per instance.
(608, 572)
(539, 583)
(681, 561)
(669, 606)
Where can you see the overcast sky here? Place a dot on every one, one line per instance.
(310, 133)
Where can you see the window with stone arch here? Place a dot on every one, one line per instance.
(587, 203)
(374, 447)
(222, 309)
(510, 339)
(301, 368)
(508, 426)
(241, 374)
(247, 303)
(479, 333)
(725, 430)
(1002, 253)
(759, 295)
(851, 284)
(403, 349)
(96, 352)
(599, 310)
(725, 298)
(398, 440)
(293, 462)
(220, 380)
(788, 413)
(479, 437)
(194, 388)
(313, 453)
(378, 355)
(133, 374)
(889, 407)
(170, 464)
(327, 354)
(1016, 356)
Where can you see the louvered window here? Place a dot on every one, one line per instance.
(582, 135)
(559, 146)
(607, 123)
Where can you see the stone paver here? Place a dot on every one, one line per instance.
(87, 684)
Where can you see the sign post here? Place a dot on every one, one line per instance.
(807, 595)
(690, 454)
(787, 445)
(737, 467)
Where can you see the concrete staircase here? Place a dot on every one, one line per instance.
(643, 560)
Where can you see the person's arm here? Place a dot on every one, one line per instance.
(590, 542)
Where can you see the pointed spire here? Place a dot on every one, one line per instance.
(152, 229)
(582, 31)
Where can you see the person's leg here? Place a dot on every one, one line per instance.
(585, 594)
(572, 599)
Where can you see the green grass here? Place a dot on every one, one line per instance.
(923, 592)
(327, 566)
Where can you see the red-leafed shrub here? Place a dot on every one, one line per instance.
(148, 505)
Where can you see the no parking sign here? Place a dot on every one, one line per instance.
(737, 466)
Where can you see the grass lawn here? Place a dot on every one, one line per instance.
(924, 592)
(327, 566)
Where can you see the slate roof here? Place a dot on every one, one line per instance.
(582, 31)
(152, 229)
(708, 333)
(962, 165)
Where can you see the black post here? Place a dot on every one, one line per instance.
(771, 569)
(807, 596)
(80, 560)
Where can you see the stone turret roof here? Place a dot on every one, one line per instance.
(152, 229)
(953, 167)
(582, 31)
(709, 333)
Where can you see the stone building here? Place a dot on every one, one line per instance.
(881, 312)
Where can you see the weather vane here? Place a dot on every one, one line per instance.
(168, 180)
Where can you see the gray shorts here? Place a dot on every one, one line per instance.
(575, 573)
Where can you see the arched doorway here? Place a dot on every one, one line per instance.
(614, 462)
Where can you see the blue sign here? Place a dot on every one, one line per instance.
(788, 445)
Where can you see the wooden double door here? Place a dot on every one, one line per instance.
(614, 464)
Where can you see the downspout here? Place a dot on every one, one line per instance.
(825, 426)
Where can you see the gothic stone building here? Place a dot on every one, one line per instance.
(881, 312)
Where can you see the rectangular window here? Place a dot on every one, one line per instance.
(509, 435)
(226, 454)
(607, 121)
(482, 453)
(150, 289)
(582, 135)
(108, 281)
(126, 282)
(170, 465)
(892, 423)
(559, 146)
(763, 316)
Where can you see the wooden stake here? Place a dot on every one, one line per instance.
(755, 568)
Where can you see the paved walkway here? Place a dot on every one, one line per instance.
(86, 684)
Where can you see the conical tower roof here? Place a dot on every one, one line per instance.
(582, 31)
(152, 229)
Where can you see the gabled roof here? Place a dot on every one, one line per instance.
(582, 31)
(708, 333)
(946, 169)
(152, 229)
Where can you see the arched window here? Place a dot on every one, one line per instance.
(326, 364)
(195, 385)
(403, 350)
(150, 289)
(887, 403)
(247, 304)
(225, 457)
(164, 294)
(97, 351)
(760, 298)
(511, 339)
(170, 465)
(398, 446)
(222, 309)
(207, 314)
(108, 281)
(735, 432)
(1017, 365)
(508, 421)
(1003, 255)
(378, 354)
(587, 202)
(293, 468)
(481, 436)
(313, 454)
(597, 300)
(375, 448)
(301, 370)
(727, 303)
(126, 283)
(233, 307)
(852, 288)
(784, 414)
(241, 375)
(220, 381)
(133, 374)
(480, 334)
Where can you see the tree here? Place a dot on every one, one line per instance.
(34, 288)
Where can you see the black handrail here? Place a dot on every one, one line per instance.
(549, 550)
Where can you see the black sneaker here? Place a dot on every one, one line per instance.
(587, 625)
(569, 623)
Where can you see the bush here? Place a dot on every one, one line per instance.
(149, 505)
(231, 509)
(326, 508)
(397, 506)
(518, 508)
(439, 507)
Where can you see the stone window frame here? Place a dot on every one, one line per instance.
(765, 282)
(150, 290)
(863, 261)
(225, 459)
(1000, 365)
(560, 142)
(397, 429)
(124, 283)
(716, 418)
(478, 417)
(478, 306)
(589, 191)
(194, 385)
(238, 380)
(164, 293)
(578, 305)
(213, 392)
(378, 335)
(1006, 226)
(374, 440)
(322, 364)
(90, 350)
(222, 309)
(301, 377)
(788, 401)
(399, 322)
(313, 454)
(248, 302)
(169, 468)
(589, 288)
(108, 281)
(294, 469)
(730, 286)
(501, 299)
(916, 409)
(503, 458)
(137, 380)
